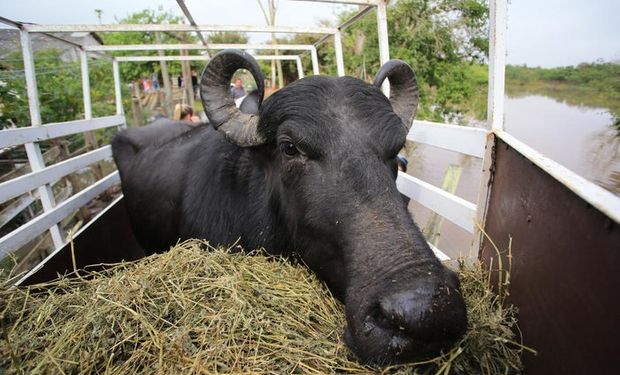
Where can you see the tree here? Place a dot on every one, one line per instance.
(228, 37)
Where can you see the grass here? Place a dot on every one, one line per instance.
(197, 309)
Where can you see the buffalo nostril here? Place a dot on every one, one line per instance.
(424, 316)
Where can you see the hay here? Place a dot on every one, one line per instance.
(196, 311)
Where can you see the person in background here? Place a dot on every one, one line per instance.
(155, 83)
(184, 112)
(237, 91)
(179, 81)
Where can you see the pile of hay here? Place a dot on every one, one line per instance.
(196, 311)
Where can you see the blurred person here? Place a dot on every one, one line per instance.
(184, 112)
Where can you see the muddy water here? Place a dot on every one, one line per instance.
(580, 138)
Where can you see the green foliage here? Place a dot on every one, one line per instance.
(228, 37)
(137, 70)
(589, 84)
(59, 86)
(445, 41)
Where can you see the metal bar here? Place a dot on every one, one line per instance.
(356, 17)
(300, 69)
(322, 40)
(16, 207)
(497, 64)
(28, 182)
(18, 136)
(315, 61)
(598, 197)
(339, 57)
(117, 87)
(41, 223)
(193, 23)
(384, 44)
(177, 28)
(9, 22)
(197, 58)
(456, 209)
(464, 139)
(88, 109)
(352, 2)
(438, 253)
(32, 149)
(154, 47)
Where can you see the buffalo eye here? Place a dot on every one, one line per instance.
(288, 149)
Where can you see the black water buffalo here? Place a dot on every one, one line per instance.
(312, 175)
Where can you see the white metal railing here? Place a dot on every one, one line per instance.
(43, 222)
(28, 182)
(19, 136)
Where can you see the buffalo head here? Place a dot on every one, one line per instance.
(328, 147)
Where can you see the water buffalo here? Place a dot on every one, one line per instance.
(312, 175)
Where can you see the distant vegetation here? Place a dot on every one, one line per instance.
(587, 84)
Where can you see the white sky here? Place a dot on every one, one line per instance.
(540, 32)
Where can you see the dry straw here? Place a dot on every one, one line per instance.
(196, 309)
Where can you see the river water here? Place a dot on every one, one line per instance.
(580, 138)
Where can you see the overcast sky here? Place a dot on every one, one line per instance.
(540, 32)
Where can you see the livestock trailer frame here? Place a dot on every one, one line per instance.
(563, 231)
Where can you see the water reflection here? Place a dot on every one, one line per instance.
(580, 138)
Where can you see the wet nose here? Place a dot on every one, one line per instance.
(425, 315)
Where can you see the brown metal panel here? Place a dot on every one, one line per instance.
(565, 270)
(107, 239)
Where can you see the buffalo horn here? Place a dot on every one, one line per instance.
(404, 93)
(239, 128)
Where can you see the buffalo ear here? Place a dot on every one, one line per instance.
(404, 94)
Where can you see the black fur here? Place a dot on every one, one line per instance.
(334, 204)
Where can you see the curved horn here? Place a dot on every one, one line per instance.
(404, 94)
(239, 128)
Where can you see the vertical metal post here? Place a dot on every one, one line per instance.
(33, 150)
(300, 68)
(315, 61)
(497, 64)
(339, 57)
(384, 45)
(495, 109)
(88, 109)
(117, 87)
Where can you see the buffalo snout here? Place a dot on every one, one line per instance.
(406, 324)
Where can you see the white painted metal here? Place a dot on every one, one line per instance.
(598, 197)
(188, 14)
(156, 47)
(117, 88)
(464, 139)
(384, 44)
(497, 64)
(12, 137)
(28, 182)
(300, 68)
(353, 2)
(315, 61)
(88, 109)
(176, 27)
(17, 206)
(197, 57)
(33, 151)
(456, 209)
(438, 253)
(41, 223)
(495, 108)
(339, 57)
